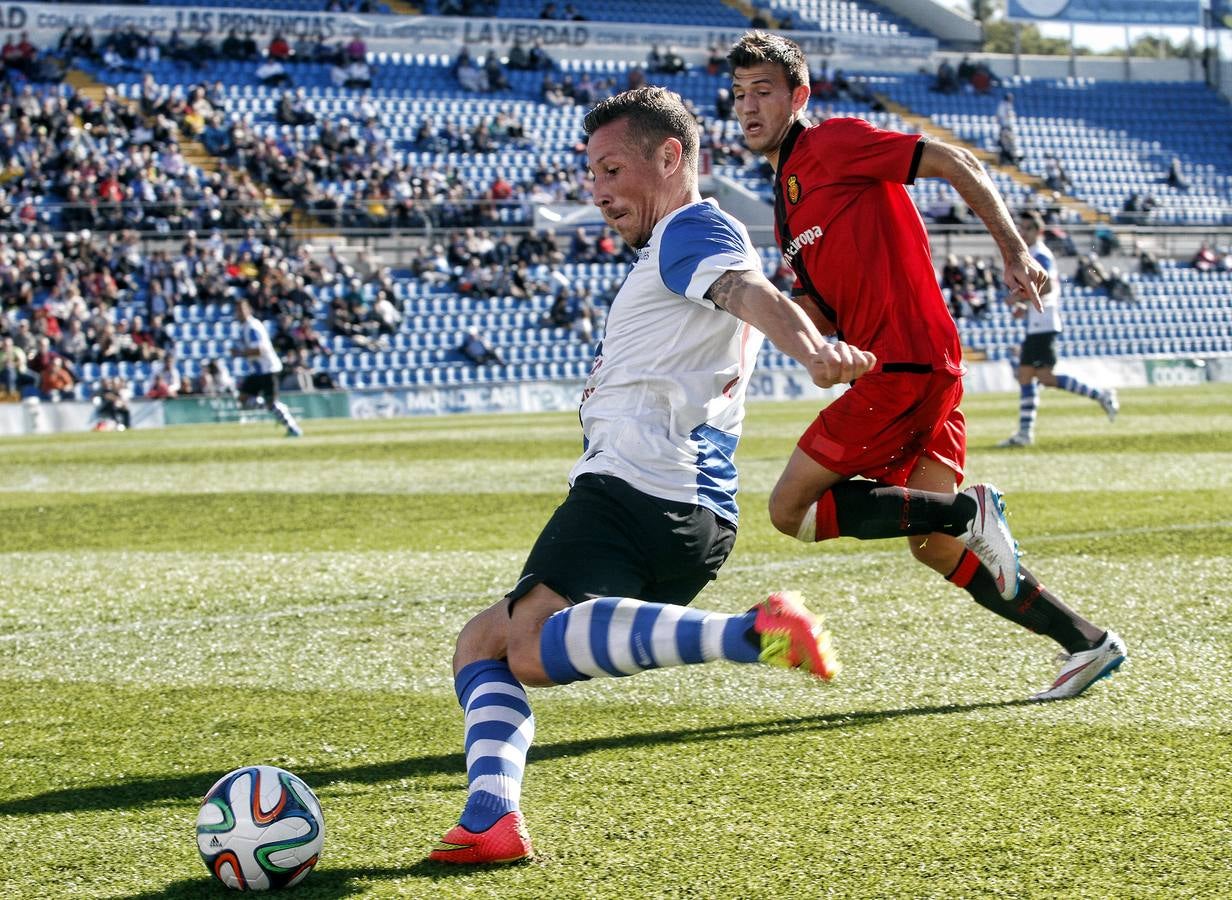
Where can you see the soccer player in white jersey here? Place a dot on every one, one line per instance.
(651, 511)
(1039, 354)
(265, 366)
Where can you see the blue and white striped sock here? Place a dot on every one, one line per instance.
(499, 729)
(1074, 386)
(1028, 408)
(615, 636)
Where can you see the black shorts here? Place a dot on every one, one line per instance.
(1039, 350)
(608, 539)
(261, 384)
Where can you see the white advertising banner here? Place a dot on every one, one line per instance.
(429, 34)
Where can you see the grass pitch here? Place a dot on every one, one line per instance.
(178, 603)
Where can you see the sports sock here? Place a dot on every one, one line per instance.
(1028, 407)
(615, 636)
(1034, 607)
(499, 729)
(869, 511)
(283, 414)
(1074, 386)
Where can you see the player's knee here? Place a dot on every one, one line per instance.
(525, 662)
(485, 636)
(937, 551)
(785, 515)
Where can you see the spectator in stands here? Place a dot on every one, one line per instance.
(74, 344)
(1176, 176)
(55, 380)
(272, 73)
(1090, 273)
(572, 13)
(1204, 259)
(14, 367)
(358, 74)
(1119, 287)
(1136, 208)
(167, 368)
(468, 73)
(548, 11)
(519, 58)
(355, 49)
(1148, 264)
(1006, 115)
(539, 58)
(665, 62)
(954, 285)
(1055, 175)
(716, 60)
(215, 380)
(495, 72)
(946, 82)
(293, 108)
(232, 47)
(1007, 147)
(279, 48)
(478, 349)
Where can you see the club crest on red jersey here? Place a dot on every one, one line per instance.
(793, 189)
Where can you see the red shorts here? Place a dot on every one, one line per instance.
(884, 424)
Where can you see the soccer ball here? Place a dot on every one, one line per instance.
(260, 827)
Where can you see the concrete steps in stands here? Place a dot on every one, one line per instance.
(927, 126)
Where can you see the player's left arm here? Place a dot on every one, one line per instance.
(1023, 275)
(748, 295)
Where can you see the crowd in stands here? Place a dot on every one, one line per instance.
(970, 75)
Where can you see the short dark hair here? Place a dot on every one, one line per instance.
(653, 114)
(1032, 217)
(759, 47)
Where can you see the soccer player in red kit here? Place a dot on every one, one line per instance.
(860, 253)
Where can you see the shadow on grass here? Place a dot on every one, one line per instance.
(324, 882)
(146, 791)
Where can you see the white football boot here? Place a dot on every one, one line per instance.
(1081, 670)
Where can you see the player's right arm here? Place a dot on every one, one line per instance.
(748, 295)
(958, 165)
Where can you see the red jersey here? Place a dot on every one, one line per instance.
(857, 245)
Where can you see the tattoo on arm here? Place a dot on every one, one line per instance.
(724, 288)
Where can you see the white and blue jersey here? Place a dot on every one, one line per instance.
(1048, 320)
(664, 402)
(254, 336)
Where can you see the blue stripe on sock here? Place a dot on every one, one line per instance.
(689, 637)
(494, 765)
(500, 699)
(493, 669)
(483, 810)
(736, 644)
(639, 635)
(496, 731)
(600, 627)
(552, 652)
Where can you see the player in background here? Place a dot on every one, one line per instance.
(651, 512)
(262, 380)
(1039, 354)
(864, 270)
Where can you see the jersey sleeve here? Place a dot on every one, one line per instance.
(699, 245)
(852, 147)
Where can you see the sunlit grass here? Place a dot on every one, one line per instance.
(181, 602)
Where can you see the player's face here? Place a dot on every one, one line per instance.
(629, 189)
(765, 106)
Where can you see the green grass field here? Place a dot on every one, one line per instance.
(181, 602)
